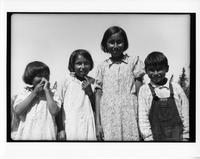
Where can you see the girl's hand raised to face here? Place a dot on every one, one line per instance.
(42, 85)
(39, 87)
(86, 86)
(46, 84)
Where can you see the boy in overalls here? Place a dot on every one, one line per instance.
(163, 106)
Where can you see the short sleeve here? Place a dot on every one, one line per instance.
(138, 67)
(57, 99)
(99, 77)
(20, 97)
(60, 93)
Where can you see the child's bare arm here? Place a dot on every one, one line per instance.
(138, 84)
(53, 108)
(22, 107)
(61, 135)
(86, 86)
(99, 130)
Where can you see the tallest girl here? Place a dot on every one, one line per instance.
(117, 81)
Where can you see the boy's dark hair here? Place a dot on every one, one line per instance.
(109, 32)
(156, 59)
(74, 55)
(33, 69)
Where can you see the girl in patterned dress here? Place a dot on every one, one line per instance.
(163, 105)
(117, 81)
(37, 105)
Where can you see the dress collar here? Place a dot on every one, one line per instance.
(73, 77)
(123, 60)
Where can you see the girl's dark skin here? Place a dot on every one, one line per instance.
(82, 67)
(40, 88)
(115, 46)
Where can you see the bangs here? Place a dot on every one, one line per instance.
(34, 69)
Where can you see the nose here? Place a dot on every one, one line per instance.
(115, 45)
(82, 66)
(155, 72)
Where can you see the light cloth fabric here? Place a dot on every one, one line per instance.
(37, 123)
(118, 105)
(145, 100)
(78, 114)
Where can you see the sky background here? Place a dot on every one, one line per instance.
(51, 38)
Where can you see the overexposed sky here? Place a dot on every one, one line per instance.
(51, 38)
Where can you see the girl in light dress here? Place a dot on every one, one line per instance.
(77, 97)
(37, 105)
(117, 81)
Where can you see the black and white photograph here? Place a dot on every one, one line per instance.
(48, 49)
(89, 79)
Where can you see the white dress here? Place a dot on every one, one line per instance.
(78, 114)
(38, 123)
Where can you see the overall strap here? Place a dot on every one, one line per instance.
(171, 90)
(152, 90)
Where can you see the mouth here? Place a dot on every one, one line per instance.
(82, 73)
(116, 53)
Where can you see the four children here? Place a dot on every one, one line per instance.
(110, 107)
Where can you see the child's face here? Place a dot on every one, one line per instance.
(156, 74)
(82, 66)
(115, 45)
(37, 79)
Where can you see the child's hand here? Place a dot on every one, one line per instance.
(39, 87)
(99, 133)
(61, 135)
(46, 84)
(185, 139)
(86, 86)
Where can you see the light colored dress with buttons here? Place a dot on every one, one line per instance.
(118, 105)
(37, 123)
(78, 114)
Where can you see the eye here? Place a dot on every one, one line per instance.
(111, 42)
(77, 63)
(151, 69)
(87, 63)
(119, 42)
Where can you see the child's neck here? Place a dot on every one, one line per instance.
(80, 78)
(161, 83)
(118, 58)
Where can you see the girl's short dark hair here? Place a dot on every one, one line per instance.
(155, 59)
(33, 69)
(76, 53)
(109, 32)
